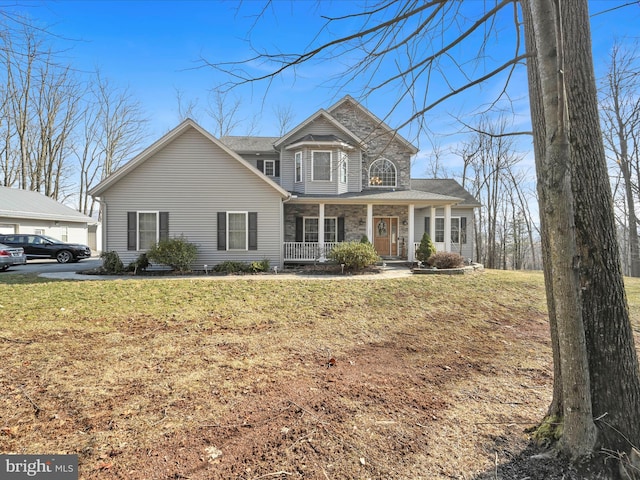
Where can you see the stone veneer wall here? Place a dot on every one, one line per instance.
(355, 218)
(379, 144)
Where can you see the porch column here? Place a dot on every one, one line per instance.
(411, 254)
(321, 231)
(370, 222)
(432, 224)
(447, 228)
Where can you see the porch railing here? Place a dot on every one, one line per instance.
(306, 251)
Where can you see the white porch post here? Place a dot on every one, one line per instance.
(370, 222)
(447, 228)
(321, 231)
(432, 224)
(411, 235)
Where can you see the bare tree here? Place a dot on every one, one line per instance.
(620, 108)
(435, 166)
(113, 127)
(186, 108)
(594, 353)
(489, 159)
(224, 112)
(284, 116)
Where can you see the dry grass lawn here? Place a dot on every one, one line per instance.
(426, 377)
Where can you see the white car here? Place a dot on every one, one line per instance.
(10, 256)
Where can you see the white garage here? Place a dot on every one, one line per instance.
(25, 211)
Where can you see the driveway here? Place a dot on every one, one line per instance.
(51, 266)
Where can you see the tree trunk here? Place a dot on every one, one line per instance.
(613, 363)
(557, 207)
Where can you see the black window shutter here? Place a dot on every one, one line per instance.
(253, 230)
(132, 230)
(277, 168)
(463, 229)
(427, 225)
(341, 229)
(261, 165)
(222, 230)
(299, 229)
(164, 225)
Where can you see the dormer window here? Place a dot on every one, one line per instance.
(382, 173)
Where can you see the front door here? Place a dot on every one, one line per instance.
(385, 236)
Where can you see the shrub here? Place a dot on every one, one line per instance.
(426, 248)
(354, 255)
(365, 239)
(446, 260)
(174, 252)
(141, 263)
(261, 266)
(111, 262)
(232, 267)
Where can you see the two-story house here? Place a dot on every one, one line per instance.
(340, 175)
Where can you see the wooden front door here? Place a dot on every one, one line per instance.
(385, 236)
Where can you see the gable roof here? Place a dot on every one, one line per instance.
(163, 142)
(445, 186)
(349, 99)
(322, 113)
(16, 203)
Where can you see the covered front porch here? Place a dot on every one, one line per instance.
(312, 230)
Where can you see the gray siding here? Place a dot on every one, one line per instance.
(466, 249)
(287, 165)
(193, 179)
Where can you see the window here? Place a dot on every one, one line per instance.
(439, 237)
(382, 173)
(458, 229)
(146, 228)
(298, 162)
(237, 231)
(321, 166)
(311, 229)
(270, 168)
(344, 166)
(65, 234)
(39, 231)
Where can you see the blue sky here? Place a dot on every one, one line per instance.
(154, 47)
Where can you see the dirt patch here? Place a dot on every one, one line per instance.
(369, 383)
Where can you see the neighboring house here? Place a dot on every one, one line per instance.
(25, 211)
(340, 175)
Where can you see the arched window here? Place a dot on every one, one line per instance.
(382, 173)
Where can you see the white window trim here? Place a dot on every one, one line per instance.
(344, 167)
(298, 161)
(304, 227)
(313, 160)
(273, 167)
(445, 228)
(157, 214)
(246, 232)
(395, 169)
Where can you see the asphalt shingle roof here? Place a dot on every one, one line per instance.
(444, 186)
(16, 203)
(240, 144)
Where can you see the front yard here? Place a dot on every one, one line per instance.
(424, 377)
